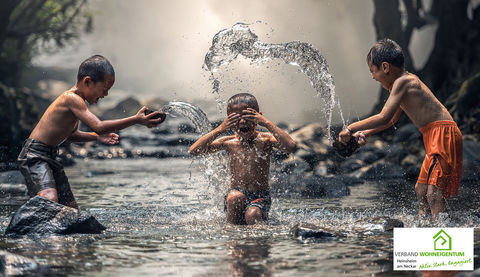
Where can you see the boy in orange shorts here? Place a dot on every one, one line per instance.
(442, 168)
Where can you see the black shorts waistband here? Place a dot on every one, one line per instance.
(40, 147)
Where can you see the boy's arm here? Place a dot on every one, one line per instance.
(281, 140)
(79, 108)
(79, 136)
(384, 117)
(207, 144)
(394, 120)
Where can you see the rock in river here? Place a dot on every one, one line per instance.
(43, 216)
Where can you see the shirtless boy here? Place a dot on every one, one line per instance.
(442, 167)
(38, 159)
(248, 199)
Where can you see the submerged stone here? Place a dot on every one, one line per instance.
(16, 265)
(308, 231)
(43, 216)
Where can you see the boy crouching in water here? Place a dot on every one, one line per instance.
(38, 159)
(248, 199)
(442, 167)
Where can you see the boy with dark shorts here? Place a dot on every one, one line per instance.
(248, 199)
(442, 168)
(38, 159)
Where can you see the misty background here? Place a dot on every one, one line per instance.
(158, 47)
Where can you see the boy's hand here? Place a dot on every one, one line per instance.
(345, 136)
(149, 120)
(361, 138)
(110, 138)
(229, 122)
(253, 115)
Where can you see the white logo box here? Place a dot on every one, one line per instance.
(433, 249)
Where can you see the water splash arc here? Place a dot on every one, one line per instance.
(229, 43)
(193, 113)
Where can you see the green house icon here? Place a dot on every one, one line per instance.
(442, 241)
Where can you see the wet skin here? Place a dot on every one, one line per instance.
(249, 155)
(60, 120)
(409, 94)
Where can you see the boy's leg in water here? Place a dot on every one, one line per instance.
(423, 206)
(50, 194)
(235, 206)
(253, 215)
(436, 201)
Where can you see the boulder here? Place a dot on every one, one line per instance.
(42, 216)
(309, 231)
(11, 177)
(16, 265)
(407, 133)
(380, 170)
(471, 162)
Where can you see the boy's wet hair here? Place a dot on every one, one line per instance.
(96, 67)
(243, 98)
(386, 50)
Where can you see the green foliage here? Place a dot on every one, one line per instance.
(27, 26)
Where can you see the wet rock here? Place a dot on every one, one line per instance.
(16, 265)
(11, 177)
(475, 273)
(471, 162)
(312, 144)
(380, 170)
(324, 168)
(412, 172)
(296, 167)
(42, 216)
(12, 190)
(351, 165)
(308, 231)
(313, 186)
(368, 155)
(395, 153)
(382, 224)
(407, 133)
(320, 186)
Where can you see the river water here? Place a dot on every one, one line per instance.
(163, 218)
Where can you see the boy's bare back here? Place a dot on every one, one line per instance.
(418, 102)
(58, 122)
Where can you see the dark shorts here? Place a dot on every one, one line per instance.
(259, 199)
(42, 169)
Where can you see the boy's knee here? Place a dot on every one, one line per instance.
(420, 189)
(235, 197)
(253, 215)
(50, 194)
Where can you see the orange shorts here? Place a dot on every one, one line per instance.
(442, 166)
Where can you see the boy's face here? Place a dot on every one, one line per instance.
(378, 74)
(245, 128)
(97, 90)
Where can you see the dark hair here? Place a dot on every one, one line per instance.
(386, 50)
(96, 67)
(241, 98)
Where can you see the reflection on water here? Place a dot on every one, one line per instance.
(250, 257)
(164, 219)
